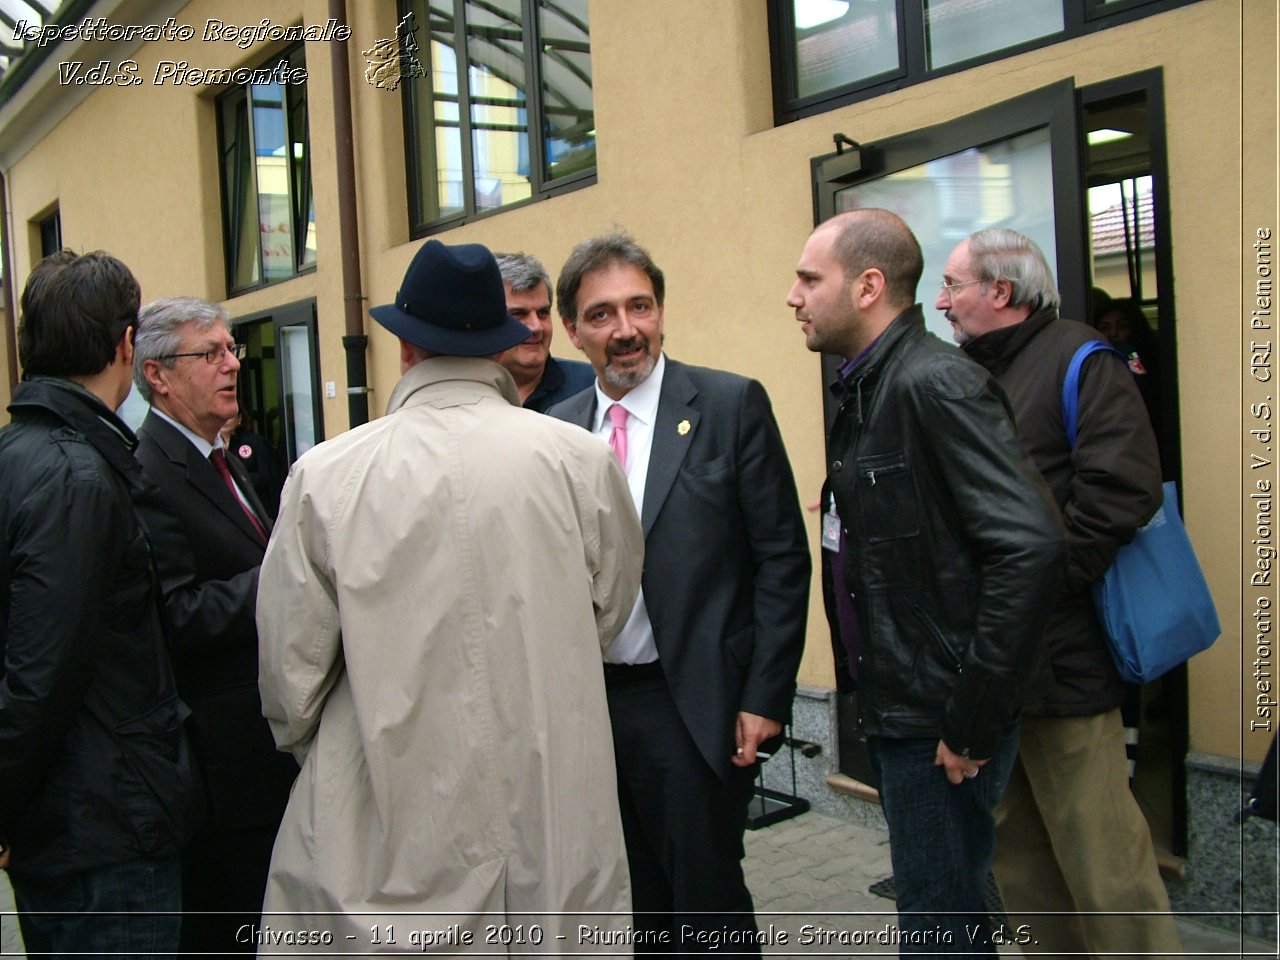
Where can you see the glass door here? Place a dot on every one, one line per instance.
(280, 377)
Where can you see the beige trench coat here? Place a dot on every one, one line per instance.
(432, 608)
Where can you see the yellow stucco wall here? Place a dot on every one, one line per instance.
(690, 162)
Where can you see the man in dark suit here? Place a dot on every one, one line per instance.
(208, 531)
(704, 670)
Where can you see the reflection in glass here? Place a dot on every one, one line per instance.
(960, 30)
(479, 88)
(239, 193)
(1122, 237)
(499, 114)
(1005, 184)
(304, 203)
(271, 151)
(268, 202)
(839, 43)
(299, 397)
(568, 117)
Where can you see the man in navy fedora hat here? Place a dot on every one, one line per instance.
(432, 612)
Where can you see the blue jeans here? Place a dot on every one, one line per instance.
(941, 841)
(127, 910)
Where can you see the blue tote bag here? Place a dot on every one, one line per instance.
(1153, 602)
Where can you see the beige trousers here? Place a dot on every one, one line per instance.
(1070, 837)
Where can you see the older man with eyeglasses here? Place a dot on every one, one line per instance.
(1074, 857)
(208, 532)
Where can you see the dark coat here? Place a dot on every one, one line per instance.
(207, 554)
(726, 574)
(93, 762)
(561, 379)
(1107, 486)
(262, 465)
(953, 550)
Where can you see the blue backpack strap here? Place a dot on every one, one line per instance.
(1071, 385)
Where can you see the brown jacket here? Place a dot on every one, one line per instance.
(1107, 486)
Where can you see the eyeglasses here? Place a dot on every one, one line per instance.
(948, 287)
(237, 350)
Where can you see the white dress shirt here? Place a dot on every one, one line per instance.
(635, 644)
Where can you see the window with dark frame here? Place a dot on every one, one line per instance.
(828, 53)
(50, 233)
(502, 112)
(268, 206)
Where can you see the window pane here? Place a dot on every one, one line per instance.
(1004, 184)
(499, 116)
(839, 42)
(963, 29)
(506, 107)
(439, 148)
(299, 398)
(1122, 238)
(239, 193)
(569, 121)
(304, 206)
(51, 234)
(271, 149)
(267, 199)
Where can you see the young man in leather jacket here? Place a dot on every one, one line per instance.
(93, 763)
(944, 554)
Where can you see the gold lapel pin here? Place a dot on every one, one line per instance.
(683, 427)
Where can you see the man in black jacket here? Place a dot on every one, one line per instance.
(93, 769)
(943, 556)
(209, 531)
(1072, 839)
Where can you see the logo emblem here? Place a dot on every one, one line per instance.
(391, 60)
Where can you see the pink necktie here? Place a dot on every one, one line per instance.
(220, 461)
(618, 439)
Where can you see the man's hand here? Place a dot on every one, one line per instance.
(4, 854)
(959, 769)
(752, 730)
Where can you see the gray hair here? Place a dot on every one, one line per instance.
(159, 333)
(597, 252)
(998, 253)
(523, 272)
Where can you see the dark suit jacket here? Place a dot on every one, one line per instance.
(726, 574)
(207, 555)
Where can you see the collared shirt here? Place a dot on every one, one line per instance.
(852, 365)
(561, 379)
(635, 644)
(205, 447)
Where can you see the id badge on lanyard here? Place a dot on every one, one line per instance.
(831, 527)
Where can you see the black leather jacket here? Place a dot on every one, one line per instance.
(953, 548)
(93, 764)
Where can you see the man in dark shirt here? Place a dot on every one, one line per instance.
(541, 379)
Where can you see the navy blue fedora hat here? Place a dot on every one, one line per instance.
(452, 301)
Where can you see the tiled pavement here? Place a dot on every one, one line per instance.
(809, 876)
